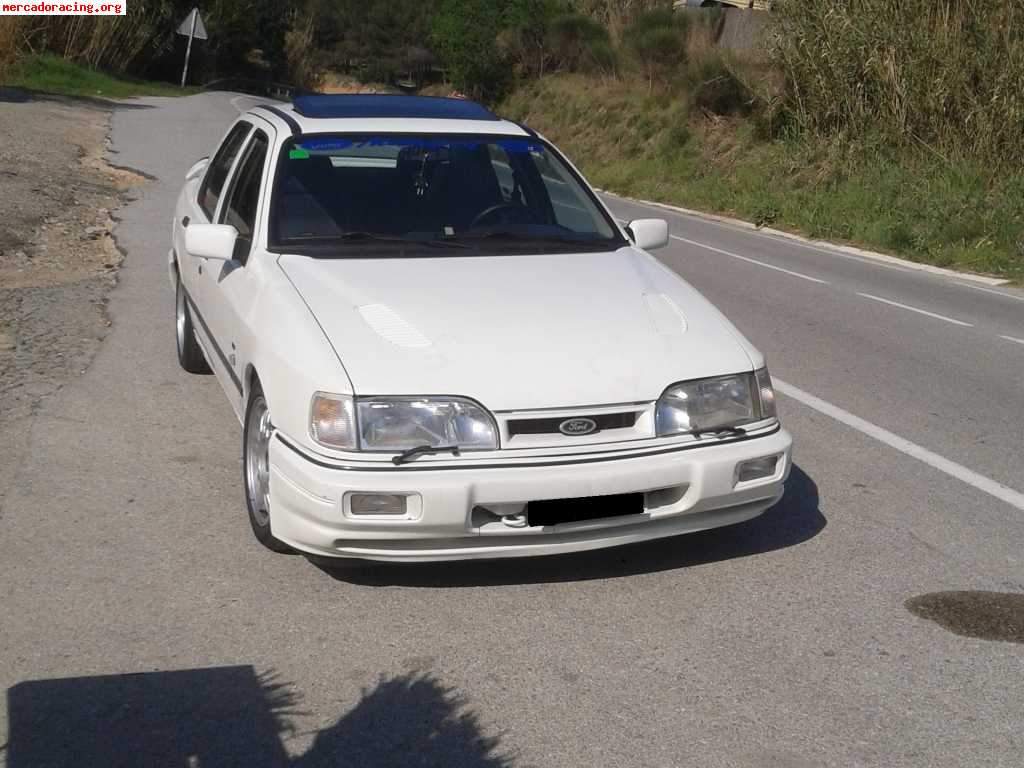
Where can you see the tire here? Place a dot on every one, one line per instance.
(256, 469)
(190, 354)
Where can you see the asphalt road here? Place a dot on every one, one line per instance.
(142, 625)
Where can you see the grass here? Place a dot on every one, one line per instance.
(909, 202)
(52, 74)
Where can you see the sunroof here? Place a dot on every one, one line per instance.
(390, 105)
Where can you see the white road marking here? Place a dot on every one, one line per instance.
(1011, 338)
(951, 468)
(750, 260)
(833, 251)
(915, 309)
(989, 290)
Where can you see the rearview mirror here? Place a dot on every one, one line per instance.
(648, 233)
(211, 241)
(197, 169)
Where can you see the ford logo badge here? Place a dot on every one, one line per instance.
(577, 426)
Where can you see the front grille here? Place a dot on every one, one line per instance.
(548, 426)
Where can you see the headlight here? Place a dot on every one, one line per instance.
(716, 403)
(401, 423)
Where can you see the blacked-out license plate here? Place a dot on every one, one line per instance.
(558, 511)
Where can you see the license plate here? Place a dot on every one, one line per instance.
(558, 511)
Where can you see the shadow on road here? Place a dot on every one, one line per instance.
(11, 95)
(230, 716)
(792, 521)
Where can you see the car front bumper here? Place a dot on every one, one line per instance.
(685, 490)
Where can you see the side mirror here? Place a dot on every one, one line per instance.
(648, 234)
(211, 241)
(198, 169)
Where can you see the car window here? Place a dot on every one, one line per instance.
(244, 195)
(213, 183)
(404, 193)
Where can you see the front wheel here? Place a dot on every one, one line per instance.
(190, 355)
(256, 469)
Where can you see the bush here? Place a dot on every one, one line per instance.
(656, 40)
(10, 42)
(577, 43)
(304, 61)
(715, 88)
(465, 36)
(949, 74)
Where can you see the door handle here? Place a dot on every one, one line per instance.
(185, 221)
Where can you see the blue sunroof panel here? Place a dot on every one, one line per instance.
(389, 105)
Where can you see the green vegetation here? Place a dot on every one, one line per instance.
(51, 74)
(948, 75)
(656, 40)
(899, 126)
(910, 202)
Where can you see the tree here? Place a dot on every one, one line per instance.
(465, 37)
(657, 40)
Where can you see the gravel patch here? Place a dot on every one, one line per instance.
(58, 257)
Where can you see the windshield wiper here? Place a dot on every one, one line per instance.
(717, 432)
(504, 234)
(424, 450)
(360, 235)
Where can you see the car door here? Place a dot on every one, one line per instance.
(229, 288)
(200, 202)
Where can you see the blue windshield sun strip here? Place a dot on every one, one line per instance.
(512, 145)
(390, 105)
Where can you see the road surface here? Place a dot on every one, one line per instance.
(142, 624)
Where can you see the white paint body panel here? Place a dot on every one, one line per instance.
(518, 332)
(514, 332)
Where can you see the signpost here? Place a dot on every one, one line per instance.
(193, 27)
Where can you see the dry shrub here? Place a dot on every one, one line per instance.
(113, 43)
(305, 61)
(11, 41)
(616, 15)
(945, 73)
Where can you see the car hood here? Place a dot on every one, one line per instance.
(517, 332)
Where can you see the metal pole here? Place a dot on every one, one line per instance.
(188, 50)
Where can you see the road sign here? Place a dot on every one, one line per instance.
(193, 27)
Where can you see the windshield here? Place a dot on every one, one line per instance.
(338, 193)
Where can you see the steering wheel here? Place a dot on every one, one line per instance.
(519, 207)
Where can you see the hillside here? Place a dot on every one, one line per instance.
(914, 203)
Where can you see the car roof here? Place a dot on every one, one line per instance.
(387, 113)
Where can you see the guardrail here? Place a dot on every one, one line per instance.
(267, 88)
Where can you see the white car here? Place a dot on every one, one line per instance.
(443, 346)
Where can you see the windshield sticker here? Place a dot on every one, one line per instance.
(298, 154)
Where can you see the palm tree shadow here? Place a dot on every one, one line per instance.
(407, 720)
(230, 716)
(794, 520)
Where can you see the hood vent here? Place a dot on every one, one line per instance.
(392, 327)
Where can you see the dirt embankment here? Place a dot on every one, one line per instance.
(58, 259)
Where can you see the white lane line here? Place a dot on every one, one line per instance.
(871, 261)
(1012, 338)
(951, 468)
(752, 261)
(989, 290)
(915, 309)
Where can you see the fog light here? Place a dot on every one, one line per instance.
(756, 469)
(377, 504)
